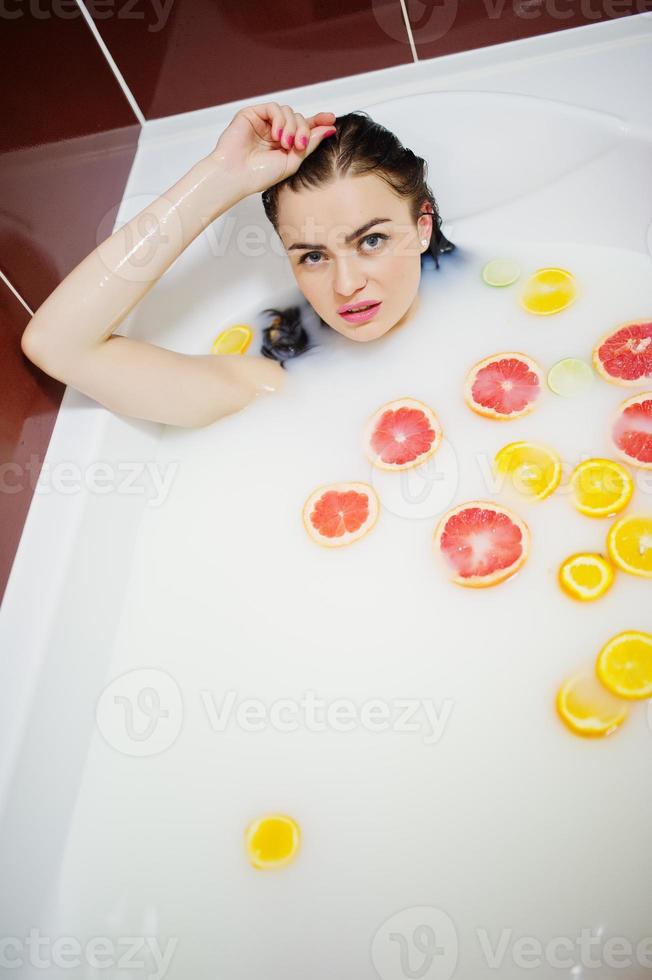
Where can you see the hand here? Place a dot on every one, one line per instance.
(250, 145)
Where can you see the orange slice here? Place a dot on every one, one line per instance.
(535, 470)
(601, 487)
(272, 841)
(587, 708)
(340, 513)
(233, 340)
(624, 665)
(624, 355)
(586, 576)
(632, 430)
(629, 544)
(549, 291)
(503, 386)
(402, 434)
(482, 543)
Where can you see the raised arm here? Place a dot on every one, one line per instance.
(71, 335)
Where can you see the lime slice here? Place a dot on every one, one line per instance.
(569, 377)
(233, 340)
(501, 272)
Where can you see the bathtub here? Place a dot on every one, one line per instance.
(168, 629)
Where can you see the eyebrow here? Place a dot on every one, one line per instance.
(348, 239)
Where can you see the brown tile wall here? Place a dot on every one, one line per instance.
(68, 134)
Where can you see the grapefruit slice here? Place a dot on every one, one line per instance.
(624, 665)
(588, 709)
(482, 543)
(632, 431)
(624, 355)
(549, 291)
(503, 386)
(340, 513)
(233, 340)
(401, 434)
(586, 576)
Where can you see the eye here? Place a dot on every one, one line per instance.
(305, 257)
(378, 235)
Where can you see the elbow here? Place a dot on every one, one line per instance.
(31, 344)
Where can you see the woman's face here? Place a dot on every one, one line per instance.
(352, 242)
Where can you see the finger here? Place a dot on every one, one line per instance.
(302, 134)
(317, 135)
(321, 119)
(289, 127)
(267, 119)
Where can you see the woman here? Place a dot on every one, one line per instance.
(355, 216)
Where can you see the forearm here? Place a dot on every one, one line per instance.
(90, 303)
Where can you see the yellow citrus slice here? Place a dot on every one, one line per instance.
(624, 665)
(601, 487)
(535, 470)
(629, 544)
(549, 291)
(340, 513)
(272, 841)
(588, 709)
(233, 340)
(586, 576)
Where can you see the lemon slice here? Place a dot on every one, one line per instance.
(624, 665)
(601, 487)
(588, 709)
(586, 576)
(629, 544)
(549, 291)
(272, 841)
(501, 272)
(535, 470)
(569, 377)
(233, 340)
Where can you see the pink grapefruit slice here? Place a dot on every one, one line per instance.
(632, 430)
(340, 513)
(624, 355)
(503, 386)
(482, 543)
(401, 434)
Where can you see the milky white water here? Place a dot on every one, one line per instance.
(490, 811)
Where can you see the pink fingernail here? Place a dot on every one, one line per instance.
(304, 141)
(330, 132)
(280, 134)
(290, 140)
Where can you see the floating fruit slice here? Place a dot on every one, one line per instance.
(624, 665)
(501, 272)
(503, 386)
(624, 355)
(272, 841)
(632, 431)
(482, 543)
(601, 487)
(233, 340)
(588, 709)
(535, 470)
(629, 544)
(340, 513)
(569, 377)
(586, 576)
(401, 434)
(549, 291)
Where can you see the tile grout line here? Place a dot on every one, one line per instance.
(15, 292)
(112, 64)
(408, 28)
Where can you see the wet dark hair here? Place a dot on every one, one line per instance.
(360, 146)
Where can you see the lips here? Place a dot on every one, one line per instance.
(360, 312)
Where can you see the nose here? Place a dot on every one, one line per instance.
(349, 277)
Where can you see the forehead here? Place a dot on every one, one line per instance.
(343, 204)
